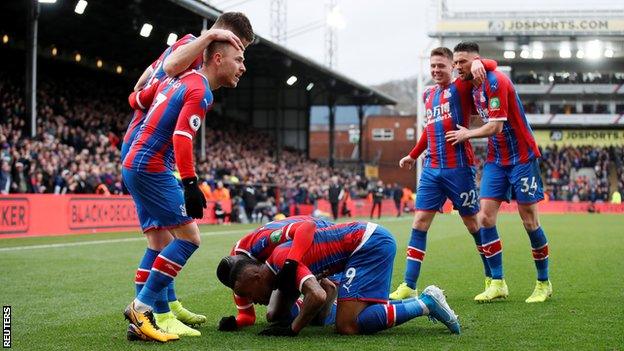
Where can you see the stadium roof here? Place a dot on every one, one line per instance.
(109, 30)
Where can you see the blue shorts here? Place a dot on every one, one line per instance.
(158, 197)
(457, 184)
(497, 182)
(368, 272)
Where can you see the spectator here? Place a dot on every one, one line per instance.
(335, 194)
(5, 177)
(378, 195)
(397, 196)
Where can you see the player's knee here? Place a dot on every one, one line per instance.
(421, 223)
(487, 220)
(530, 223)
(529, 217)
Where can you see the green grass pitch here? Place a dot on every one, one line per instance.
(71, 297)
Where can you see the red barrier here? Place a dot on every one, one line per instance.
(359, 207)
(41, 215)
(362, 207)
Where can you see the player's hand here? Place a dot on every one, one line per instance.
(278, 329)
(228, 324)
(478, 72)
(457, 136)
(407, 161)
(225, 35)
(194, 199)
(287, 276)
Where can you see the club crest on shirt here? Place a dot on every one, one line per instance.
(447, 93)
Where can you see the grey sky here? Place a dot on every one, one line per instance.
(382, 38)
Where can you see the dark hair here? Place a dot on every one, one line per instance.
(237, 23)
(239, 266)
(442, 51)
(467, 46)
(224, 269)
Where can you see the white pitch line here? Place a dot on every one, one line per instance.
(138, 238)
(98, 242)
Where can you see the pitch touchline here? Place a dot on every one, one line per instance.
(109, 241)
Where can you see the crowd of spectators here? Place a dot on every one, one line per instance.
(565, 180)
(533, 77)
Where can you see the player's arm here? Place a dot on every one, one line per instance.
(140, 84)
(302, 234)
(314, 297)
(181, 58)
(142, 99)
(409, 160)
(189, 121)
(497, 115)
(479, 69)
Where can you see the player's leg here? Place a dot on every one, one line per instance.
(529, 191)
(460, 187)
(140, 315)
(362, 308)
(429, 200)
(166, 207)
(495, 187)
(166, 267)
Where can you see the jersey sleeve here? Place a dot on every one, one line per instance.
(497, 90)
(489, 65)
(189, 120)
(142, 99)
(302, 234)
(421, 145)
(425, 94)
(303, 274)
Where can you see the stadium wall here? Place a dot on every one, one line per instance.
(43, 215)
(47, 215)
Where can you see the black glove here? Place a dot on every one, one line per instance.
(194, 199)
(228, 324)
(287, 276)
(278, 329)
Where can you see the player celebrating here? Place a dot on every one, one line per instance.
(448, 169)
(259, 245)
(365, 253)
(511, 165)
(178, 106)
(158, 238)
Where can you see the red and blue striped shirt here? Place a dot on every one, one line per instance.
(158, 73)
(445, 108)
(329, 252)
(178, 106)
(260, 243)
(497, 100)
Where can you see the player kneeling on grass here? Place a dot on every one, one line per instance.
(364, 252)
(258, 245)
